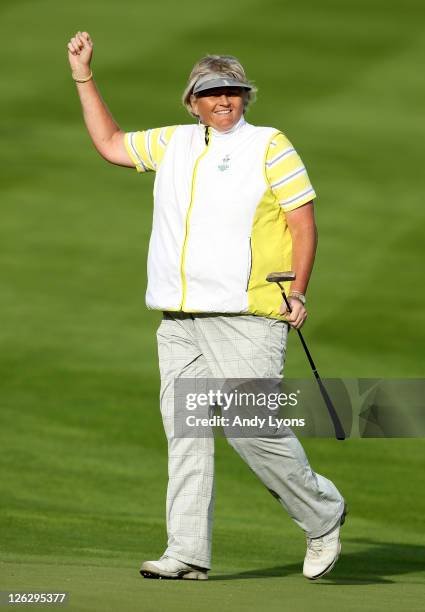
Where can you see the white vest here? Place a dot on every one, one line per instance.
(205, 200)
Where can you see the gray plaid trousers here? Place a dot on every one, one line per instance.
(231, 346)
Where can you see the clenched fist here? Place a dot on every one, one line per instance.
(80, 50)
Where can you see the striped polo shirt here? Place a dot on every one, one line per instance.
(284, 169)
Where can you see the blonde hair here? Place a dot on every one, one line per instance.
(223, 64)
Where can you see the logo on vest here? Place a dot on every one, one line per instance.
(224, 164)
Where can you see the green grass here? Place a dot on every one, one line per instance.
(82, 454)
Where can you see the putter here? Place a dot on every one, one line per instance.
(281, 277)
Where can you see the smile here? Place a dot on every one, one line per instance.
(223, 112)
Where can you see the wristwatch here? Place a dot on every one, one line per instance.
(298, 296)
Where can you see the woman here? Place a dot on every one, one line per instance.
(233, 202)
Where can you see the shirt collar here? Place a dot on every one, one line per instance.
(225, 134)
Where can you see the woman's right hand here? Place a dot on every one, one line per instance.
(80, 51)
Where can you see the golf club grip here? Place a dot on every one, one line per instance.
(339, 430)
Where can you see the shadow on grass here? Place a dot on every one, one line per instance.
(373, 565)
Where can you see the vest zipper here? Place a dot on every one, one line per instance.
(189, 210)
(250, 264)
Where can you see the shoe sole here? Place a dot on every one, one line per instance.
(149, 572)
(328, 569)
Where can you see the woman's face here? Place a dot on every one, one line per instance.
(220, 108)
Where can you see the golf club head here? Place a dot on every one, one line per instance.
(280, 277)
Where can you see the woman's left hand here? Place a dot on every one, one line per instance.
(297, 317)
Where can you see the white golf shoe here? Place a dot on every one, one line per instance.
(322, 553)
(166, 567)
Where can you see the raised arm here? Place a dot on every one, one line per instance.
(105, 133)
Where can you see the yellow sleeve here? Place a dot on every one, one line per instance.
(146, 149)
(287, 175)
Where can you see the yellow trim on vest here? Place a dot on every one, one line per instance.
(271, 251)
(189, 210)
